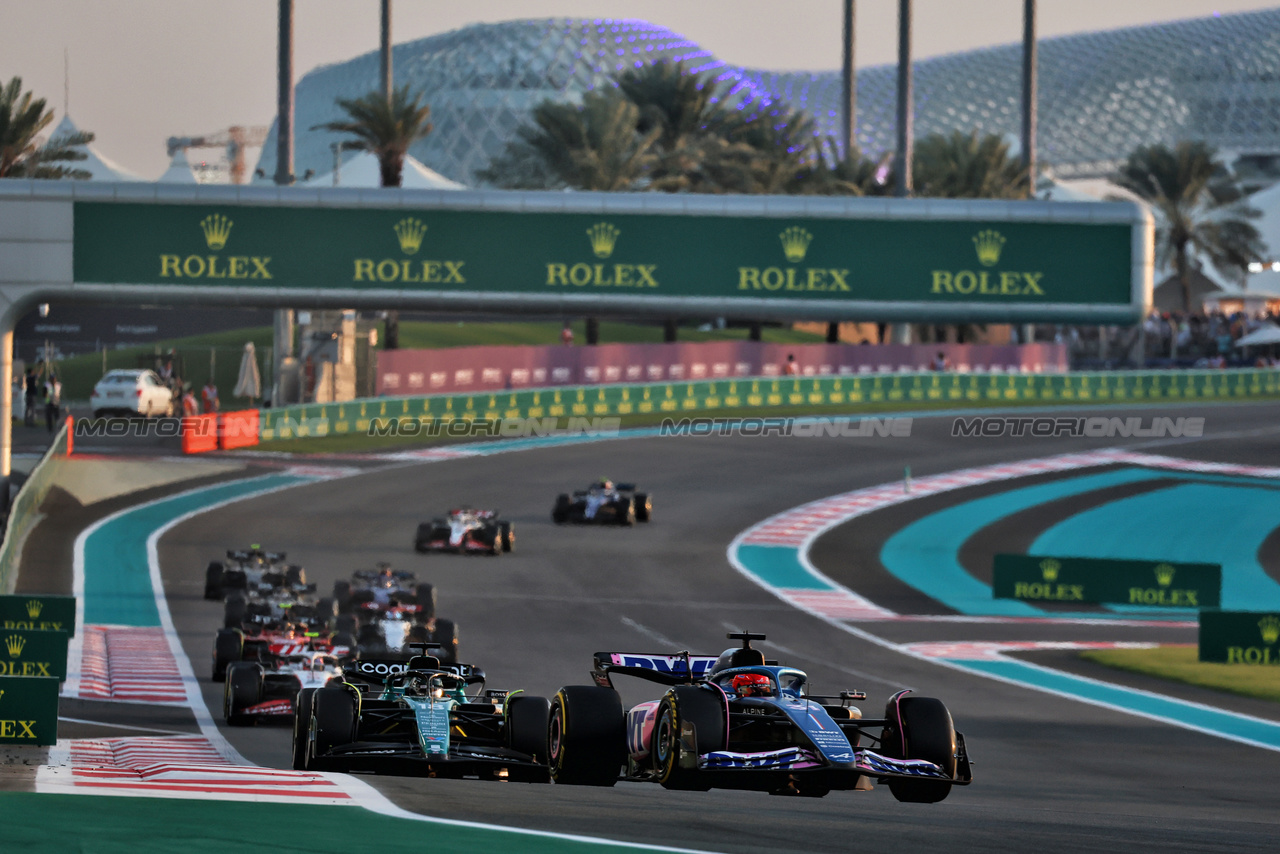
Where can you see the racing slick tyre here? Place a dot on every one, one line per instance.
(560, 513)
(508, 536)
(421, 538)
(234, 611)
(346, 624)
(625, 512)
(243, 689)
(342, 593)
(927, 733)
(446, 635)
(526, 725)
(333, 711)
(213, 580)
(370, 639)
(295, 575)
(686, 704)
(326, 610)
(228, 648)
(302, 727)
(418, 634)
(424, 596)
(643, 506)
(586, 736)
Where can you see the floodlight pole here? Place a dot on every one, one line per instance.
(386, 49)
(905, 108)
(284, 96)
(1029, 94)
(849, 79)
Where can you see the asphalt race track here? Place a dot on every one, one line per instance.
(1050, 773)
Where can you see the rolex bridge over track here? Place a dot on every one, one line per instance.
(600, 254)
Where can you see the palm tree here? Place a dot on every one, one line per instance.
(594, 145)
(966, 166)
(772, 152)
(385, 126)
(1197, 206)
(22, 118)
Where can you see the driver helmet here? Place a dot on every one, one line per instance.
(605, 483)
(752, 685)
(385, 578)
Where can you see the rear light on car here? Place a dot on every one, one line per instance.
(137, 392)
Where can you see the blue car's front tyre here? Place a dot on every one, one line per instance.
(926, 732)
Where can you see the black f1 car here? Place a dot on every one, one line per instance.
(466, 531)
(251, 566)
(386, 610)
(603, 502)
(418, 718)
(737, 721)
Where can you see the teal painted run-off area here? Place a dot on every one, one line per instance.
(1210, 519)
(1251, 730)
(117, 577)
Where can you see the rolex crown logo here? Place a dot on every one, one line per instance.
(409, 232)
(795, 243)
(989, 244)
(603, 236)
(216, 228)
(1270, 626)
(1050, 568)
(1164, 574)
(15, 643)
(34, 607)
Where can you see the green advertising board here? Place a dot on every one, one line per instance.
(1240, 637)
(33, 652)
(900, 258)
(38, 611)
(1152, 583)
(28, 710)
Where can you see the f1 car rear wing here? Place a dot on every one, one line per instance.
(249, 554)
(678, 669)
(378, 670)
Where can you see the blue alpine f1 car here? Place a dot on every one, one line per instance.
(737, 721)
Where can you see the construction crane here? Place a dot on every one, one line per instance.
(234, 139)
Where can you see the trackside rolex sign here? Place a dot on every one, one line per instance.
(983, 263)
(1240, 637)
(37, 611)
(27, 652)
(28, 710)
(1156, 584)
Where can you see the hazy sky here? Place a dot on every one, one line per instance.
(144, 70)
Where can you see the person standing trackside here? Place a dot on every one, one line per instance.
(566, 335)
(209, 397)
(31, 388)
(53, 400)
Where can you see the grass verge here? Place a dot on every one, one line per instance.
(1180, 664)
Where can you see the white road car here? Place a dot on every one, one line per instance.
(131, 392)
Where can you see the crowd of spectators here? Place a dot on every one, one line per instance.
(1171, 339)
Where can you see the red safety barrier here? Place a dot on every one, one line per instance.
(71, 431)
(199, 434)
(237, 429)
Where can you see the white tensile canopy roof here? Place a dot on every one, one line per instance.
(99, 167)
(363, 171)
(1267, 334)
(179, 171)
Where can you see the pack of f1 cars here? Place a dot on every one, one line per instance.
(254, 641)
(386, 610)
(466, 531)
(251, 566)
(603, 503)
(735, 721)
(267, 690)
(421, 718)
